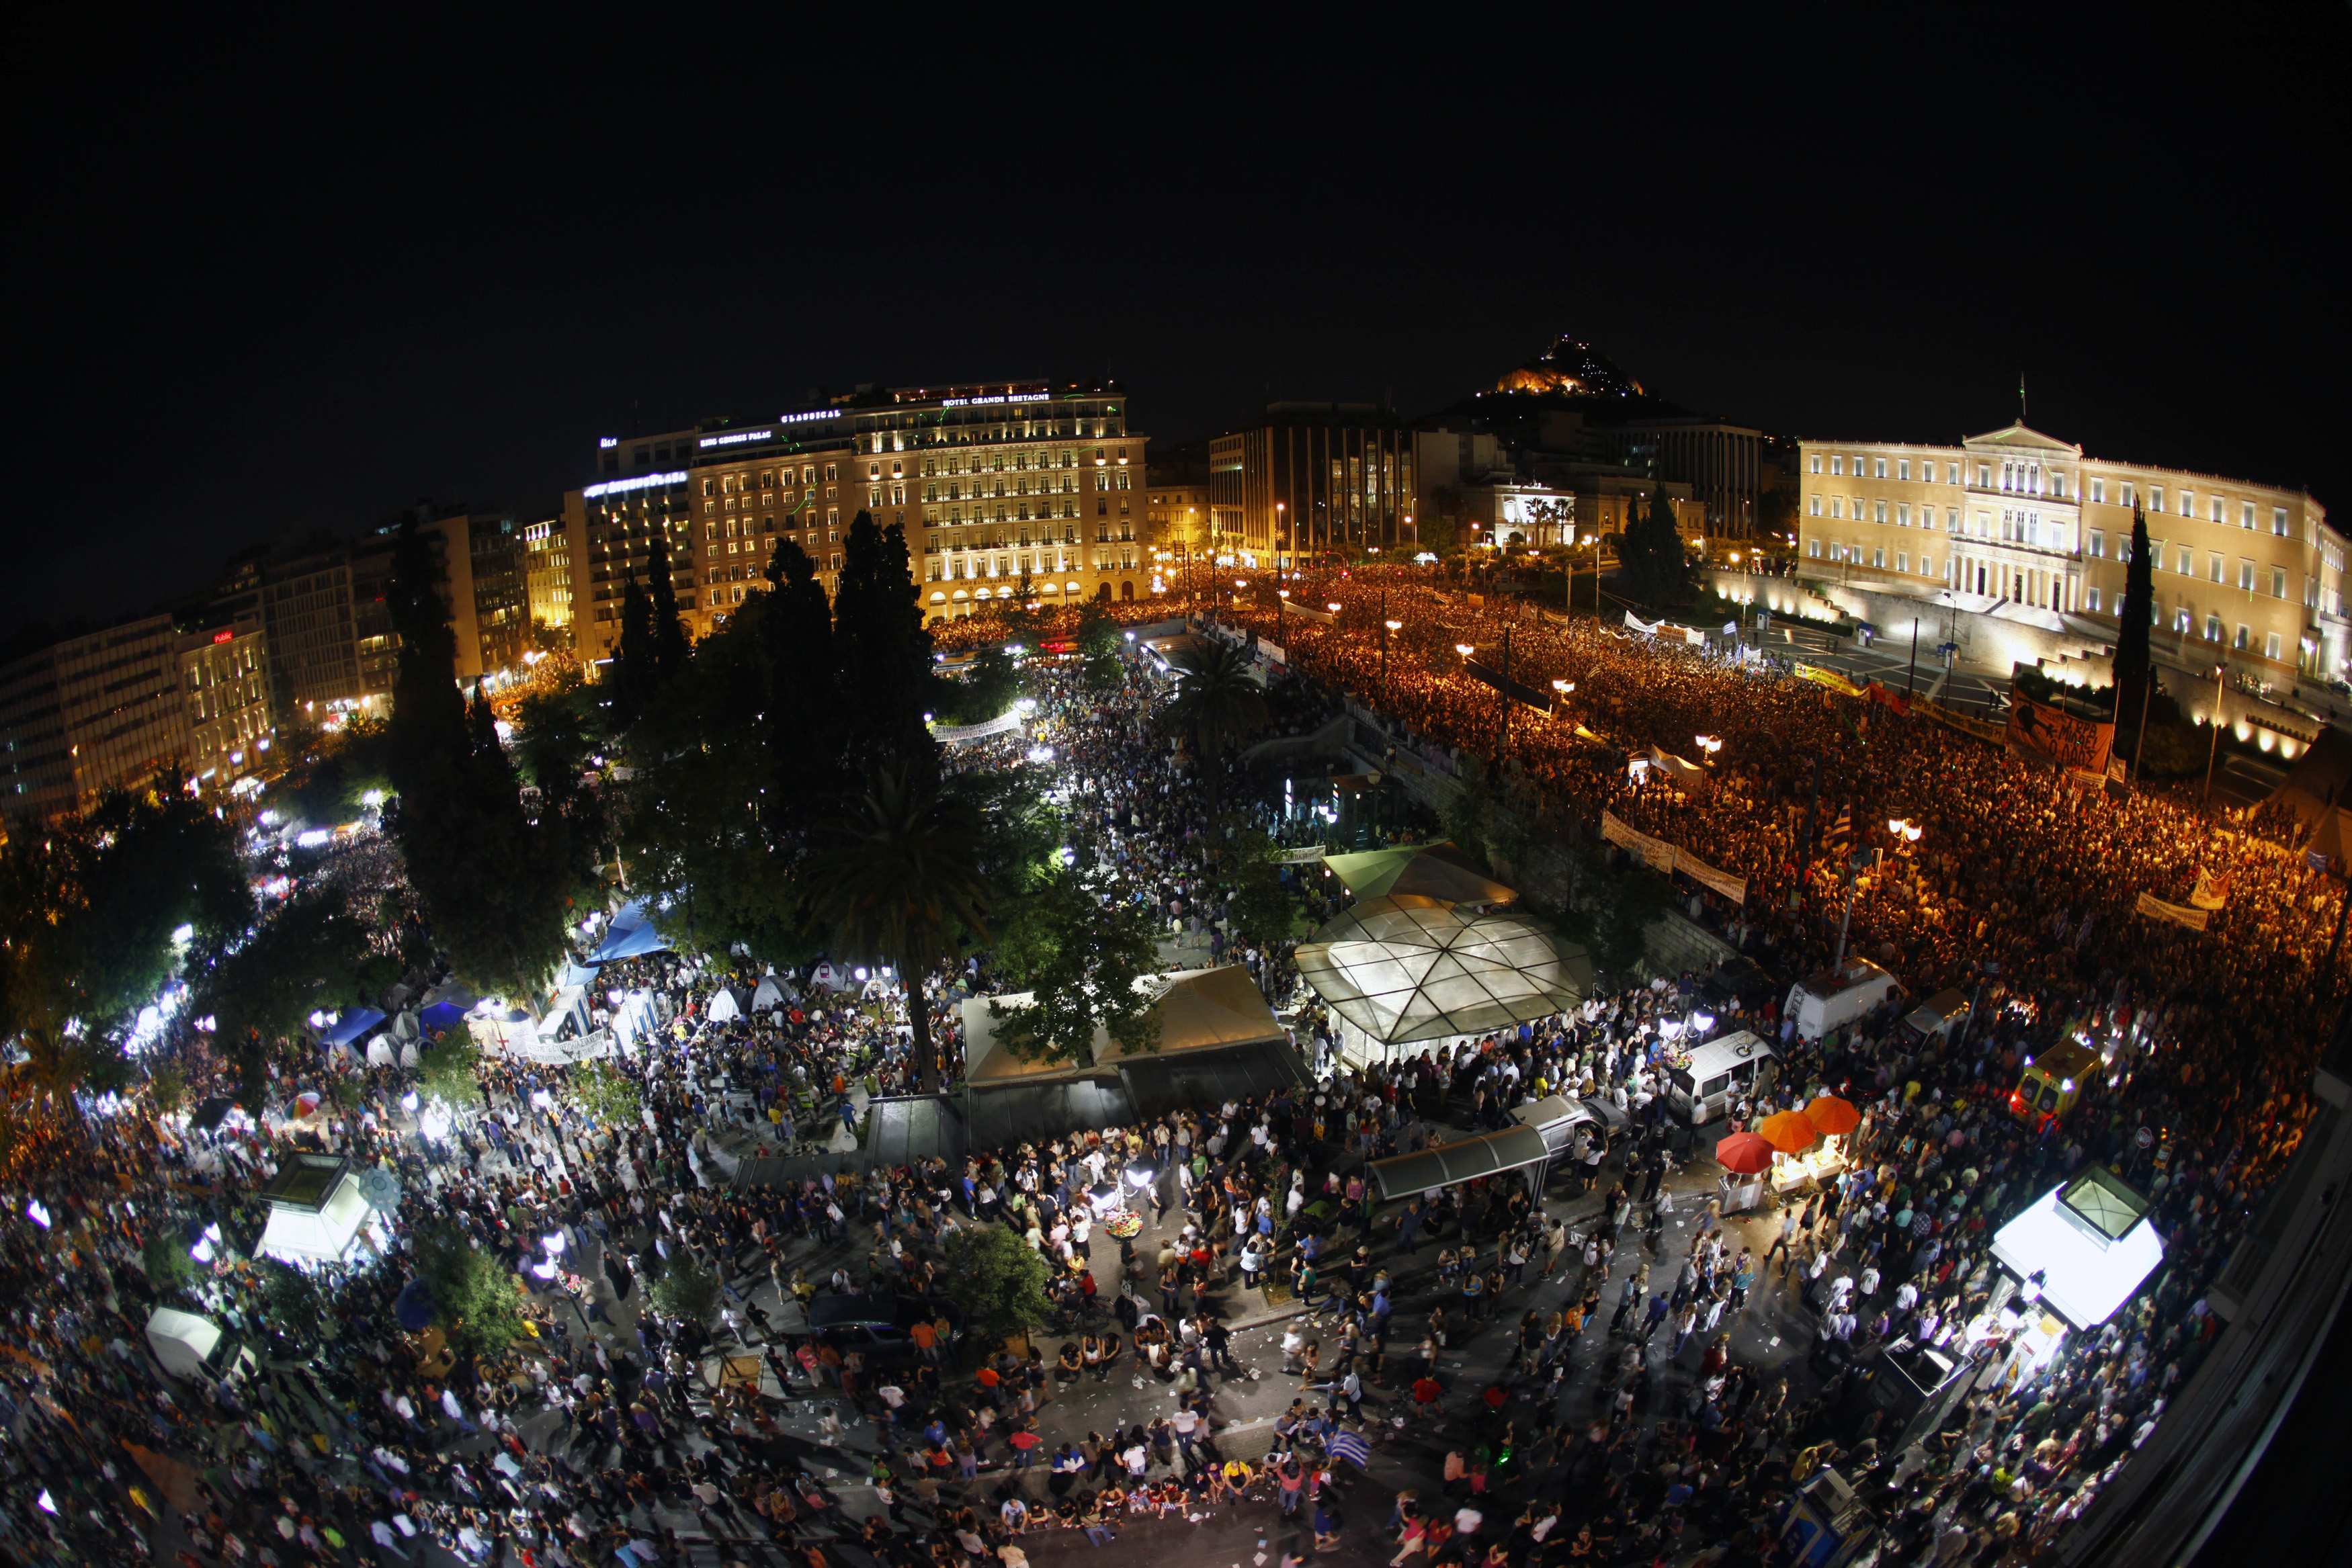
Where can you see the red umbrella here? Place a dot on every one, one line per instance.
(1834, 1117)
(1744, 1153)
(1789, 1132)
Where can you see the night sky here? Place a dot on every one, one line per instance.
(296, 277)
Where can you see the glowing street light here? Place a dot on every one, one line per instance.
(1466, 649)
(1710, 744)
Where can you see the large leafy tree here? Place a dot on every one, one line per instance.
(477, 1300)
(1079, 951)
(998, 1281)
(898, 876)
(490, 882)
(304, 957)
(89, 914)
(2136, 613)
(1218, 703)
(707, 819)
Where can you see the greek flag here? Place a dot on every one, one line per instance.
(1351, 1447)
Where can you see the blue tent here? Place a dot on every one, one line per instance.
(414, 1307)
(354, 1023)
(632, 936)
(440, 1017)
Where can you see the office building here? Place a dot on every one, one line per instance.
(2013, 519)
(1313, 479)
(998, 486)
(1721, 464)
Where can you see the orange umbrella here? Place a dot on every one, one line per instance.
(1744, 1153)
(1832, 1116)
(1789, 1132)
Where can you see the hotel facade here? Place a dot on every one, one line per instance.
(999, 486)
(2246, 574)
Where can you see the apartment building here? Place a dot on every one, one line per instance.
(2015, 517)
(175, 702)
(225, 682)
(998, 486)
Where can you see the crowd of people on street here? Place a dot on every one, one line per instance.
(1616, 1415)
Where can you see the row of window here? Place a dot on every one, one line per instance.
(2030, 478)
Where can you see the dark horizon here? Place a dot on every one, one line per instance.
(306, 277)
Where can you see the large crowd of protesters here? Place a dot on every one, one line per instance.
(1621, 1426)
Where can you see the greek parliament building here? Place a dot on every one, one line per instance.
(998, 486)
(2018, 524)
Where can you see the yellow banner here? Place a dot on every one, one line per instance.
(1658, 855)
(1826, 677)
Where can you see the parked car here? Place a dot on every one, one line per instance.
(877, 1323)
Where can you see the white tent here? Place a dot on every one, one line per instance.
(379, 1049)
(770, 995)
(183, 1341)
(724, 1008)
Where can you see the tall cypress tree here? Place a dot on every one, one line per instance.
(804, 713)
(427, 732)
(2137, 613)
(633, 676)
(661, 602)
(880, 648)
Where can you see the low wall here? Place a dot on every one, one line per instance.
(1988, 641)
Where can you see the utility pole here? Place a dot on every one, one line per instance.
(1911, 678)
(1812, 813)
(2220, 672)
(1507, 689)
(2139, 740)
(1853, 861)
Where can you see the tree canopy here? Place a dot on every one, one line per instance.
(2134, 615)
(491, 882)
(1657, 568)
(1079, 950)
(305, 956)
(1218, 704)
(998, 1281)
(898, 876)
(90, 910)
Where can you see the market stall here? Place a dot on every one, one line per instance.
(320, 1212)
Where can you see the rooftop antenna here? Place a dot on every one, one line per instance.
(2020, 397)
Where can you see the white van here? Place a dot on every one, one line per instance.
(1719, 1073)
(1825, 1002)
(1939, 1017)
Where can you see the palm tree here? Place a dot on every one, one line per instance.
(1218, 701)
(899, 875)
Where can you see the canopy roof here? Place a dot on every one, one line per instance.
(2091, 1242)
(1491, 1154)
(1404, 968)
(1437, 870)
(322, 1235)
(632, 936)
(1198, 1009)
